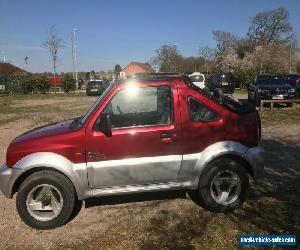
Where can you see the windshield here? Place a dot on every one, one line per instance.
(271, 81)
(78, 122)
(94, 83)
(197, 78)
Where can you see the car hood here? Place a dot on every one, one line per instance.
(274, 86)
(47, 130)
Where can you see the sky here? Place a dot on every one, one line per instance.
(118, 32)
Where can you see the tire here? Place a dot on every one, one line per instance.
(76, 210)
(41, 192)
(205, 195)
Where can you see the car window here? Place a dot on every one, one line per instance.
(201, 113)
(141, 106)
(197, 78)
(272, 81)
(94, 83)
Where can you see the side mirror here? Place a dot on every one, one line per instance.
(105, 125)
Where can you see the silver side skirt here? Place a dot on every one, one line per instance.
(140, 188)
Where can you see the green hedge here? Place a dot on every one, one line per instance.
(25, 85)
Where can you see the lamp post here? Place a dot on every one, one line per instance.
(74, 57)
(175, 63)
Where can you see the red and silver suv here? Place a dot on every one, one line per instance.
(151, 133)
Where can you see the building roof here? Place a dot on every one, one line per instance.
(137, 68)
(7, 69)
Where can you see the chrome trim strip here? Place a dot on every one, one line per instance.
(140, 188)
(137, 161)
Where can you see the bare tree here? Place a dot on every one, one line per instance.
(166, 58)
(226, 41)
(271, 27)
(53, 44)
(207, 54)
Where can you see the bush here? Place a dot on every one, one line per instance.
(25, 85)
(42, 84)
(244, 77)
(68, 83)
(15, 85)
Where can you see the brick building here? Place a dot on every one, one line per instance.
(135, 68)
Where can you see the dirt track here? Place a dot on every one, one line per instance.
(170, 220)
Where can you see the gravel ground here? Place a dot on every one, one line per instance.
(159, 220)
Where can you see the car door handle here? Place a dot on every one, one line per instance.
(166, 137)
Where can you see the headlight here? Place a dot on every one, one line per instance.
(291, 90)
(259, 90)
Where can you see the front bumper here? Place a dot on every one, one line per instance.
(255, 157)
(286, 96)
(8, 177)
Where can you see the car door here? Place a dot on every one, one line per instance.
(145, 144)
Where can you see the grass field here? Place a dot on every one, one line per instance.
(159, 220)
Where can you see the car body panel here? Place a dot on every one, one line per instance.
(192, 165)
(141, 142)
(57, 138)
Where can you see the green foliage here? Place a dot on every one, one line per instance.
(68, 83)
(25, 85)
(244, 76)
(117, 71)
(28, 85)
(42, 84)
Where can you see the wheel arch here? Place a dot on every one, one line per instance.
(76, 173)
(232, 156)
(31, 171)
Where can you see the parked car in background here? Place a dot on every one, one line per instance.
(95, 87)
(270, 87)
(225, 82)
(294, 80)
(153, 133)
(198, 79)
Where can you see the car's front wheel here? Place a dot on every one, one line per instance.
(46, 200)
(223, 186)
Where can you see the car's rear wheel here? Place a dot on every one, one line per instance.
(46, 200)
(223, 186)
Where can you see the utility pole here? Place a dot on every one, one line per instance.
(74, 59)
(175, 63)
(290, 64)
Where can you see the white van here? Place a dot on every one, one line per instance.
(198, 79)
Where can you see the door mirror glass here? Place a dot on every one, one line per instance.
(105, 125)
